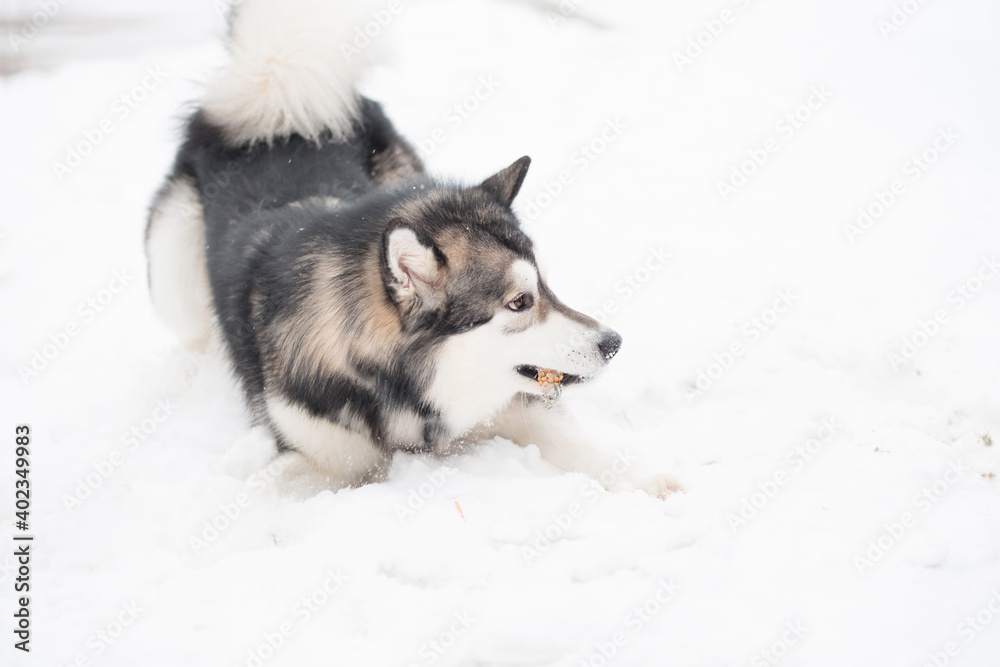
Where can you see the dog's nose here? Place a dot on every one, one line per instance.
(609, 344)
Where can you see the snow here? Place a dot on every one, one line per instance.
(823, 440)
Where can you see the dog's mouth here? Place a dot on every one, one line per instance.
(531, 372)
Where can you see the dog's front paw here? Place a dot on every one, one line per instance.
(659, 486)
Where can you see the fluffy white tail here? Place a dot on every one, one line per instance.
(293, 69)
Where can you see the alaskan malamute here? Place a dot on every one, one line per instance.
(366, 307)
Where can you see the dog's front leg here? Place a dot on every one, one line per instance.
(564, 444)
(324, 454)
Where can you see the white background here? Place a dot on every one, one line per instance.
(116, 515)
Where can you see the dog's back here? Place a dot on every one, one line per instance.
(281, 125)
(293, 169)
(365, 307)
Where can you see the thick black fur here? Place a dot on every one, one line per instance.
(256, 245)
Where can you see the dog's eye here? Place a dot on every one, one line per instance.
(519, 302)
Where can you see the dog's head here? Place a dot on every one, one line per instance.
(464, 278)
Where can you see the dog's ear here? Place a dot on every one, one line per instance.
(505, 184)
(415, 268)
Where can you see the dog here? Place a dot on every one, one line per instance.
(366, 307)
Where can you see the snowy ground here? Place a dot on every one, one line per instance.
(825, 388)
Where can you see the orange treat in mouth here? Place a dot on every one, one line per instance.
(550, 382)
